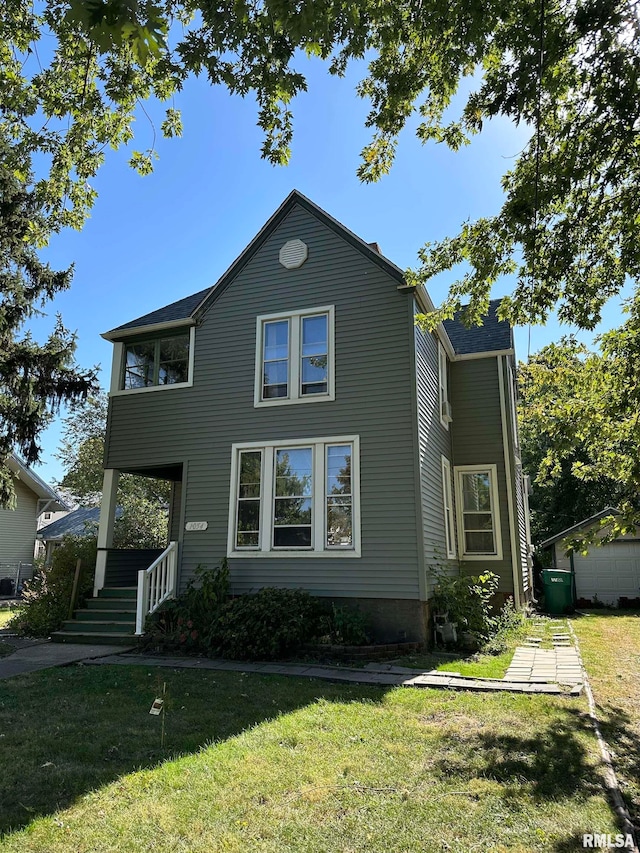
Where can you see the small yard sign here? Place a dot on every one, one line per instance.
(157, 706)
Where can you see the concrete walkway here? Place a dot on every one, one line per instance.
(46, 655)
(388, 675)
(532, 670)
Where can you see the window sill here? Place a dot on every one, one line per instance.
(285, 401)
(126, 391)
(478, 557)
(301, 553)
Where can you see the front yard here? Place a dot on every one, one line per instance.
(265, 763)
(610, 643)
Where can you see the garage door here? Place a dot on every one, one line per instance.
(609, 572)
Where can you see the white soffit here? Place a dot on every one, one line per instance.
(293, 254)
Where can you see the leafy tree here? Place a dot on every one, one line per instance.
(571, 71)
(580, 431)
(35, 379)
(143, 500)
(569, 226)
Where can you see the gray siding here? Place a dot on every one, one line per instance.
(434, 442)
(522, 530)
(476, 434)
(198, 425)
(520, 499)
(18, 527)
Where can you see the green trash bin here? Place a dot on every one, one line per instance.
(558, 591)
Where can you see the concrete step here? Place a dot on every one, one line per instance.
(94, 614)
(118, 592)
(75, 627)
(127, 604)
(100, 638)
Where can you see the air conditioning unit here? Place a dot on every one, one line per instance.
(446, 411)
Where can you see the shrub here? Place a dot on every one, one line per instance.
(467, 600)
(190, 621)
(268, 625)
(345, 626)
(48, 594)
(508, 623)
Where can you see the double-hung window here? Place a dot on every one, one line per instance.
(478, 512)
(294, 496)
(449, 522)
(295, 360)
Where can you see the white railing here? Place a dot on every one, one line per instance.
(156, 584)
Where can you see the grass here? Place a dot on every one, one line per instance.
(486, 664)
(610, 645)
(6, 615)
(264, 763)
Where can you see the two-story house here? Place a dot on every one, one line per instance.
(314, 435)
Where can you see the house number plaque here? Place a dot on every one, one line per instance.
(196, 525)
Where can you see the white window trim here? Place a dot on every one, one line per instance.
(449, 516)
(443, 384)
(295, 321)
(492, 470)
(117, 369)
(319, 520)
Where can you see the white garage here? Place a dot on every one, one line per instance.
(608, 572)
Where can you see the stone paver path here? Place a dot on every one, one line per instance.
(533, 665)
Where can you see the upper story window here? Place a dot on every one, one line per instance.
(295, 360)
(443, 388)
(478, 512)
(153, 363)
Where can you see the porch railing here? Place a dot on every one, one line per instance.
(156, 584)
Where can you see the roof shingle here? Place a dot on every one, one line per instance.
(493, 335)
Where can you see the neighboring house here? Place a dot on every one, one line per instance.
(607, 572)
(82, 521)
(18, 526)
(314, 435)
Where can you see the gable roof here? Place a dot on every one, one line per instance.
(29, 477)
(493, 335)
(185, 311)
(73, 524)
(587, 522)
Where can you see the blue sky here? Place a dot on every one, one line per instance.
(156, 239)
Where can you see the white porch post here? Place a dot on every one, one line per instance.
(107, 522)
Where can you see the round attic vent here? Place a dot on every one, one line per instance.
(293, 254)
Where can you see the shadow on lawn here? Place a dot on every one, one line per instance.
(554, 763)
(64, 733)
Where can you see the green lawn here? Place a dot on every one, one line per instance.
(610, 644)
(263, 763)
(484, 665)
(6, 614)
